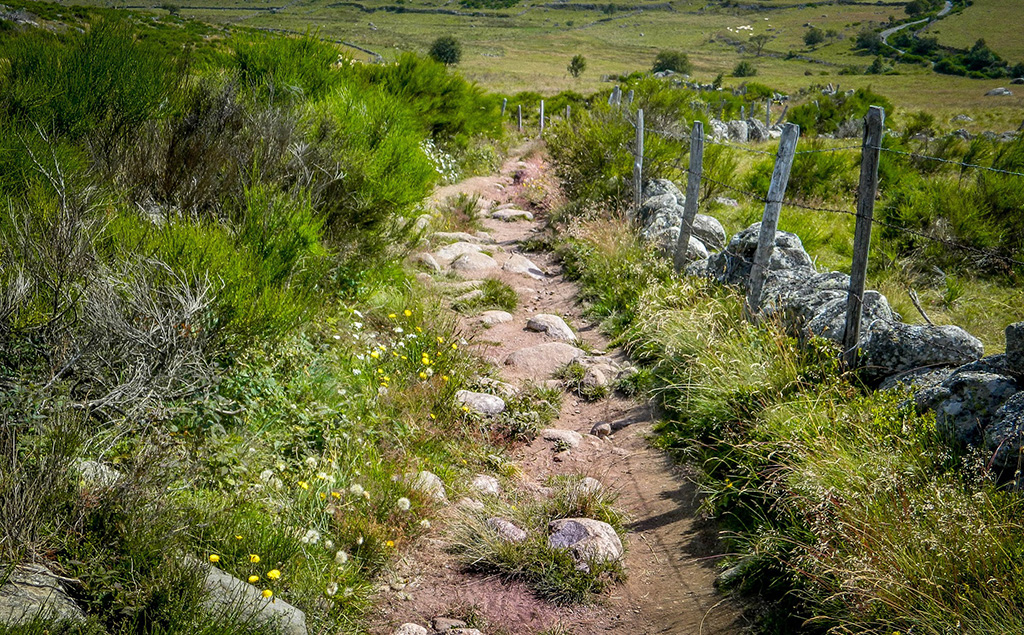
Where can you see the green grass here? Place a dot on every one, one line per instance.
(844, 511)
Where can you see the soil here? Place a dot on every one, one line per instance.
(671, 549)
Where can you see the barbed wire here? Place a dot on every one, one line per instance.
(951, 162)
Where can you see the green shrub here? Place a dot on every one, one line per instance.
(744, 69)
(825, 115)
(284, 69)
(446, 50)
(675, 61)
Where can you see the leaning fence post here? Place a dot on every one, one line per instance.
(520, 117)
(692, 193)
(568, 112)
(504, 102)
(611, 96)
(770, 220)
(541, 118)
(874, 129)
(638, 163)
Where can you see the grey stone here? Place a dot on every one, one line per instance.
(659, 187)
(481, 403)
(726, 201)
(509, 215)
(1004, 437)
(738, 131)
(895, 347)
(552, 326)
(967, 402)
(426, 261)
(503, 389)
(590, 485)
(733, 264)
(486, 485)
(1015, 349)
(508, 530)
(446, 255)
(999, 92)
(228, 595)
(411, 629)
(490, 318)
(586, 539)
(601, 430)
(543, 359)
(464, 631)
(523, 266)
(31, 591)
(757, 131)
(445, 624)
(427, 483)
(474, 264)
(709, 231)
(470, 296)
(96, 474)
(1017, 81)
(568, 437)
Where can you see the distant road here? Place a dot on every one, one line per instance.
(886, 33)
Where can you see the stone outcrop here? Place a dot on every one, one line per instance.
(481, 403)
(588, 540)
(227, 595)
(31, 591)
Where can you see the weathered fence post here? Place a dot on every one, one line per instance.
(504, 102)
(611, 97)
(692, 193)
(520, 117)
(541, 118)
(638, 163)
(568, 112)
(629, 97)
(768, 113)
(770, 220)
(743, 113)
(874, 128)
(785, 109)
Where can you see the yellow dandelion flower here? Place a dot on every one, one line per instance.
(392, 315)
(303, 484)
(273, 574)
(407, 313)
(455, 346)
(465, 408)
(336, 494)
(390, 543)
(419, 330)
(238, 537)
(375, 354)
(214, 558)
(440, 340)
(323, 496)
(253, 579)
(423, 375)
(267, 593)
(432, 416)
(253, 558)
(404, 357)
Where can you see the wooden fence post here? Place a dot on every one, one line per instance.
(568, 112)
(504, 102)
(770, 220)
(692, 193)
(743, 113)
(874, 129)
(768, 113)
(611, 97)
(520, 117)
(541, 118)
(629, 97)
(638, 163)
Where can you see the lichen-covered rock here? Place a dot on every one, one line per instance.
(757, 131)
(227, 595)
(586, 539)
(31, 591)
(523, 266)
(732, 265)
(570, 438)
(1004, 437)
(481, 403)
(411, 629)
(709, 231)
(96, 474)
(447, 254)
(543, 359)
(895, 347)
(510, 214)
(486, 485)
(491, 318)
(1015, 349)
(966, 404)
(738, 130)
(474, 264)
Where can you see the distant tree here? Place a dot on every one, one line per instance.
(672, 61)
(717, 83)
(879, 67)
(814, 36)
(577, 65)
(832, 35)
(744, 69)
(171, 8)
(868, 40)
(446, 50)
(759, 41)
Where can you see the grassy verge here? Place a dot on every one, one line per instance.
(844, 510)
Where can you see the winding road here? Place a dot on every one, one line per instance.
(944, 12)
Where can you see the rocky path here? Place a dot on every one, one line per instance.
(669, 549)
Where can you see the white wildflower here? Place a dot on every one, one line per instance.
(331, 589)
(356, 489)
(404, 504)
(341, 557)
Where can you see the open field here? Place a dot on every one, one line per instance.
(527, 46)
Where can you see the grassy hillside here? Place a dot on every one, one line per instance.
(984, 19)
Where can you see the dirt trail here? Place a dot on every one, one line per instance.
(670, 549)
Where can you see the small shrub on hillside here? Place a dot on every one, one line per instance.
(446, 50)
(675, 61)
(744, 69)
(577, 65)
(287, 69)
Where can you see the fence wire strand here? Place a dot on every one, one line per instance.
(973, 166)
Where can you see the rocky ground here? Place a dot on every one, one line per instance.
(670, 550)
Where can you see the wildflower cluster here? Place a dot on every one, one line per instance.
(254, 577)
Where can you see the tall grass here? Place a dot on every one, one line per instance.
(845, 511)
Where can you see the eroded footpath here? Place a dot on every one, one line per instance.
(670, 549)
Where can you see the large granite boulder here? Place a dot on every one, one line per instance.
(31, 591)
(895, 347)
(586, 539)
(1004, 437)
(733, 264)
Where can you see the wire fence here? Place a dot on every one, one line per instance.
(798, 204)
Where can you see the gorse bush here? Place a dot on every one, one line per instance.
(287, 68)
